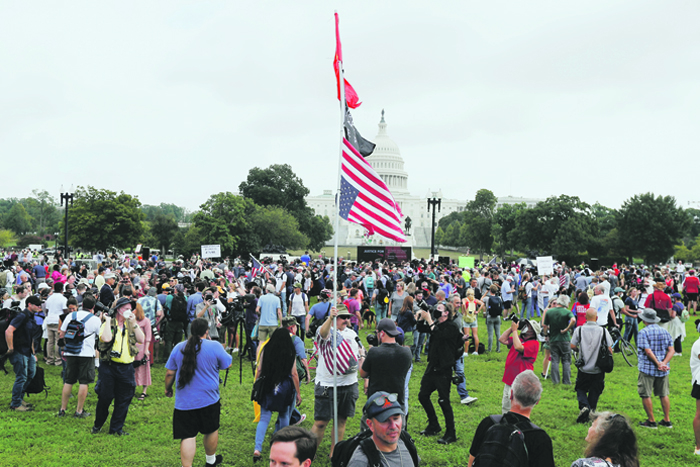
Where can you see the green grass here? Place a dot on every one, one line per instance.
(343, 252)
(40, 438)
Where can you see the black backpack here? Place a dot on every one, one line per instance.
(75, 333)
(389, 286)
(504, 444)
(382, 293)
(6, 317)
(343, 451)
(495, 306)
(38, 383)
(178, 309)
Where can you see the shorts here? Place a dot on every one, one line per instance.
(80, 369)
(646, 383)
(695, 393)
(187, 423)
(693, 297)
(474, 324)
(507, 304)
(323, 403)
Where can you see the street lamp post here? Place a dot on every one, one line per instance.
(67, 197)
(436, 200)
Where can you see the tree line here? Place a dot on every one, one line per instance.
(269, 210)
(646, 226)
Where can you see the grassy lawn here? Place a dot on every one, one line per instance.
(40, 438)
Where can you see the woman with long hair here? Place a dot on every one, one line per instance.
(611, 443)
(280, 384)
(471, 307)
(407, 322)
(142, 372)
(195, 365)
(582, 304)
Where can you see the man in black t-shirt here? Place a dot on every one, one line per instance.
(525, 393)
(387, 365)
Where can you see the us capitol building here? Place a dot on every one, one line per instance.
(388, 163)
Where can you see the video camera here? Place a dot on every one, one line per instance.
(372, 339)
(512, 317)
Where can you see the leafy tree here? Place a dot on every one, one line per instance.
(18, 220)
(505, 220)
(102, 219)
(439, 236)
(605, 217)
(186, 241)
(7, 238)
(180, 214)
(278, 185)
(478, 218)
(275, 225)
(650, 226)
(29, 239)
(692, 235)
(163, 229)
(225, 219)
(44, 210)
(454, 216)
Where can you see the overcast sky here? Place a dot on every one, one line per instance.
(174, 101)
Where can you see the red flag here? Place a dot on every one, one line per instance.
(351, 97)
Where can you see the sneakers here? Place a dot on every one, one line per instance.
(27, 404)
(234, 350)
(584, 415)
(82, 414)
(677, 354)
(697, 452)
(666, 424)
(447, 439)
(475, 353)
(21, 408)
(303, 417)
(219, 459)
(61, 413)
(95, 430)
(119, 433)
(468, 400)
(648, 424)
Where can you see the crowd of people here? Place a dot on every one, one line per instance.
(118, 315)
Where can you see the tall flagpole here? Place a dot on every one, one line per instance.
(341, 85)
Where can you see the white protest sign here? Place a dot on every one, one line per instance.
(138, 249)
(211, 251)
(545, 265)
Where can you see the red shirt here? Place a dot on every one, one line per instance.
(581, 313)
(517, 362)
(692, 284)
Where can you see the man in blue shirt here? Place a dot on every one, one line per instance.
(270, 310)
(197, 400)
(20, 351)
(306, 258)
(192, 302)
(39, 274)
(655, 352)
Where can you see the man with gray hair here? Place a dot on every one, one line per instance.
(558, 321)
(525, 393)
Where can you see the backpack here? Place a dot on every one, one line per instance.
(522, 292)
(369, 282)
(495, 306)
(38, 384)
(75, 333)
(389, 285)
(382, 296)
(178, 309)
(504, 444)
(18, 337)
(343, 451)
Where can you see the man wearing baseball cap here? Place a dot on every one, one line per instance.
(655, 352)
(387, 446)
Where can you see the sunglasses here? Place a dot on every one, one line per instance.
(343, 317)
(382, 400)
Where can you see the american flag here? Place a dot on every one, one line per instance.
(365, 198)
(257, 267)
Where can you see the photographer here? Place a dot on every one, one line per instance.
(523, 350)
(209, 310)
(118, 337)
(445, 343)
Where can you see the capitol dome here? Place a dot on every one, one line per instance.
(387, 161)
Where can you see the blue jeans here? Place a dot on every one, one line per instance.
(405, 390)
(283, 299)
(493, 327)
(459, 371)
(418, 338)
(25, 368)
(265, 417)
(527, 310)
(380, 309)
(631, 329)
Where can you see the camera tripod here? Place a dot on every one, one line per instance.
(247, 349)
